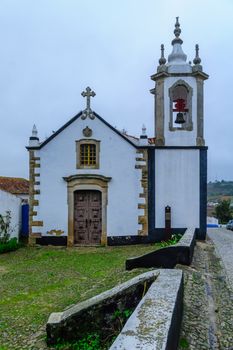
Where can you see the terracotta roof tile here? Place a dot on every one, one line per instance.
(14, 185)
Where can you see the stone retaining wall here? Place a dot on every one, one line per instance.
(156, 321)
(156, 297)
(168, 257)
(96, 313)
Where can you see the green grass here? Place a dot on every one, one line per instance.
(38, 281)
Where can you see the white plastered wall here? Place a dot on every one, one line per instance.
(180, 137)
(9, 202)
(177, 184)
(117, 160)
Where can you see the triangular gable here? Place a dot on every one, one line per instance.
(73, 120)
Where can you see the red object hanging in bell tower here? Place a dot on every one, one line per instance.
(180, 105)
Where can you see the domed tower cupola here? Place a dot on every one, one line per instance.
(178, 96)
(177, 58)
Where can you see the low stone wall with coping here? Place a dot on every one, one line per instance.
(96, 313)
(154, 323)
(167, 257)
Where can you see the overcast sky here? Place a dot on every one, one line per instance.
(52, 49)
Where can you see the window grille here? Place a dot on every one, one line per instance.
(87, 154)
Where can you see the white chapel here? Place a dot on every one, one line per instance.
(91, 184)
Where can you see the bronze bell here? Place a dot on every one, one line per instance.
(180, 118)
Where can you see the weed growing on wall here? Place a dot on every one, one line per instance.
(119, 318)
(88, 342)
(95, 341)
(174, 239)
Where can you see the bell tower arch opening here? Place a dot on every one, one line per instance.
(180, 106)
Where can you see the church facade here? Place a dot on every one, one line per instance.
(92, 184)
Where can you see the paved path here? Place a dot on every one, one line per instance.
(223, 241)
(208, 302)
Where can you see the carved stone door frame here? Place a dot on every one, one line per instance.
(86, 182)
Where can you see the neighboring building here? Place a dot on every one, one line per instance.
(13, 193)
(11, 203)
(92, 184)
(212, 222)
(15, 185)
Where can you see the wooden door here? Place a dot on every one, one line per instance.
(87, 217)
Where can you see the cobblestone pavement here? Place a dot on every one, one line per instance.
(208, 303)
(223, 241)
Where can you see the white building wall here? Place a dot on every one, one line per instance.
(12, 203)
(179, 137)
(177, 185)
(23, 197)
(117, 160)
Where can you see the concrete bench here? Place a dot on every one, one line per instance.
(167, 257)
(155, 323)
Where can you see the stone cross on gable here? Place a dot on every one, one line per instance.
(88, 111)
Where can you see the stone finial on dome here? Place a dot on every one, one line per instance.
(177, 32)
(197, 59)
(162, 59)
(177, 56)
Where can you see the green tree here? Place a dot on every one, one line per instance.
(223, 211)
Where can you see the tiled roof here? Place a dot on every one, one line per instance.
(14, 185)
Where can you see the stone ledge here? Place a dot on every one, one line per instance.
(155, 323)
(35, 235)
(37, 223)
(168, 257)
(142, 206)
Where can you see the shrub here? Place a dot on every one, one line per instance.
(9, 246)
(223, 211)
(5, 229)
(6, 244)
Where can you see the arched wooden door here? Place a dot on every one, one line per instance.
(87, 217)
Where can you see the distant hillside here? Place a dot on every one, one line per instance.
(220, 190)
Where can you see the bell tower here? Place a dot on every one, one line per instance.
(178, 94)
(178, 170)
